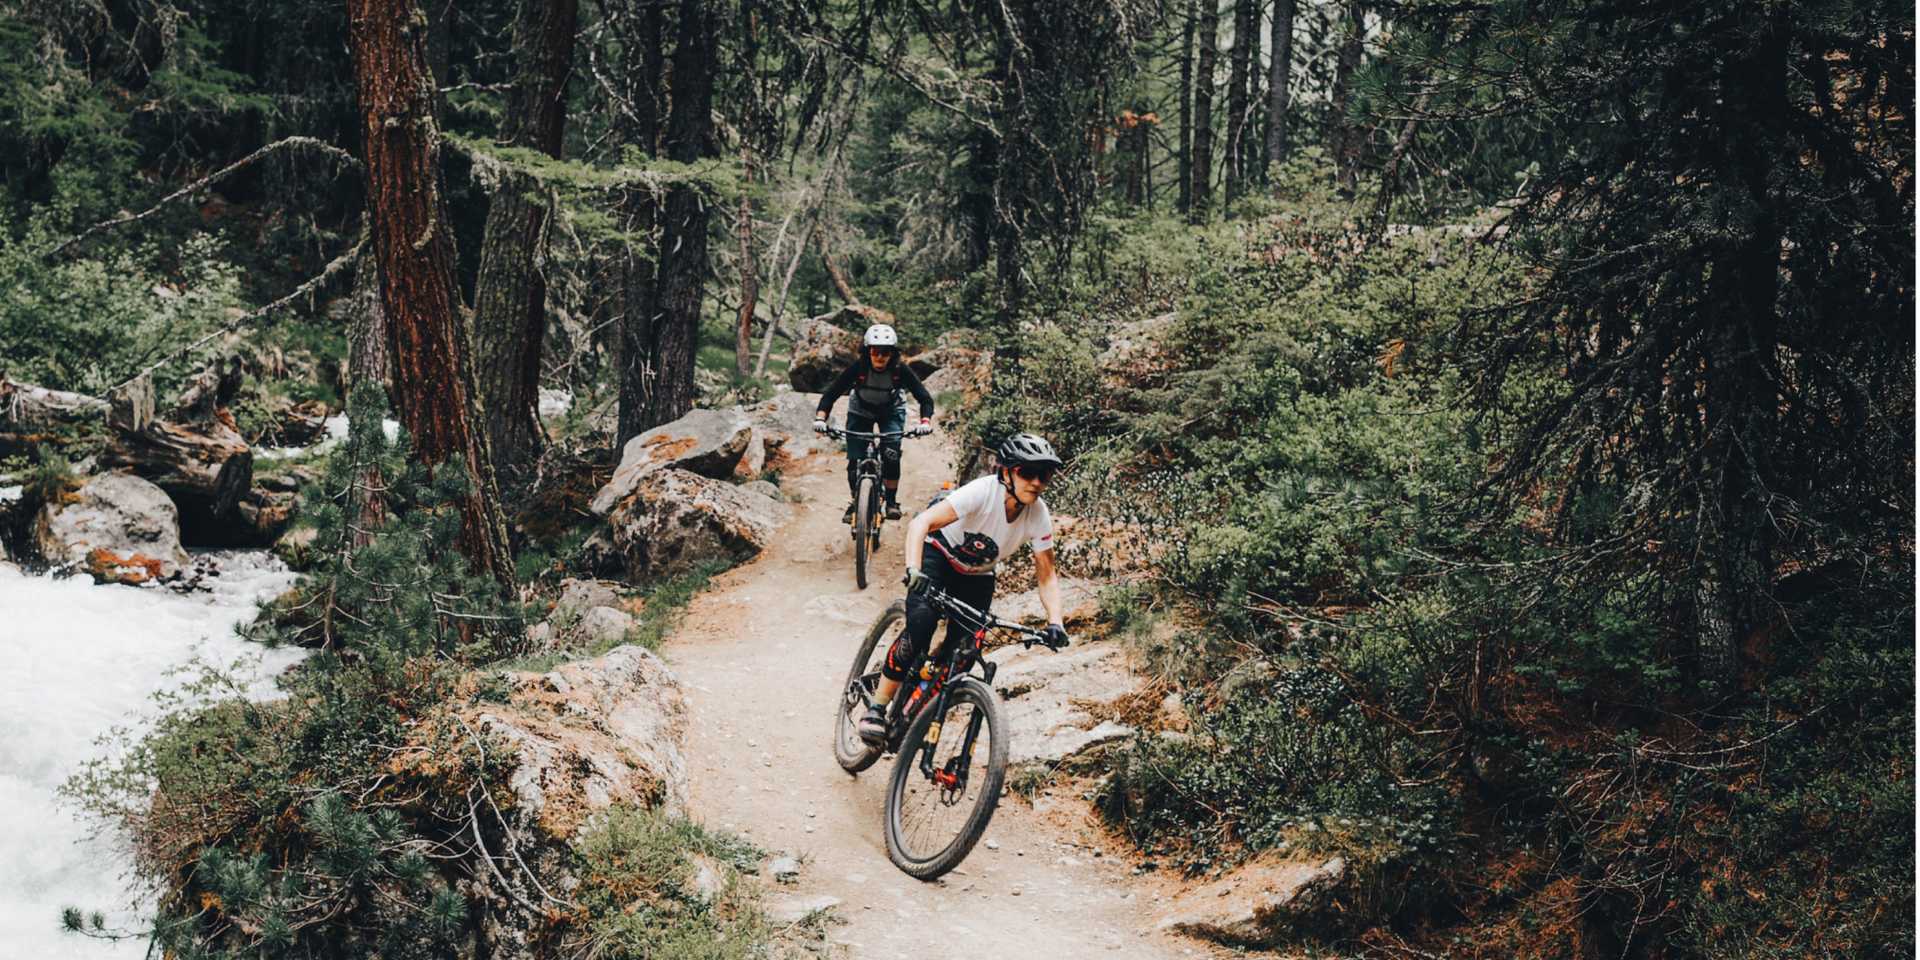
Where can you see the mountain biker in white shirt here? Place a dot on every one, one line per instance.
(969, 531)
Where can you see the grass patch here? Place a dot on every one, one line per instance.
(660, 886)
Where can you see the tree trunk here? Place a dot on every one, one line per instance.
(1741, 399)
(749, 272)
(834, 273)
(1183, 162)
(1208, 39)
(645, 69)
(427, 339)
(1343, 133)
(366, 326)
(1245, 40)
(1280, 73)
(672, 321)
(510, 298)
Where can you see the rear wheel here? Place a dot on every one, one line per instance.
(853, 753)
(934, 821)
(862, 527)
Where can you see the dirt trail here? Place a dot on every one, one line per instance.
(762, 654)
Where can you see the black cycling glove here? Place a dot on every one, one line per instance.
(916, 581)
(1055, 636)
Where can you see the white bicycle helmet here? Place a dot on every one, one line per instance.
(881, 335)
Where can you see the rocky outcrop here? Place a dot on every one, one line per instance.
(1260, 904)
(704, 442)
(567, 746)
(1079, 604)
(961, 370)
(120, 528)
(590, 734)
(1054, 700)
(674, 520)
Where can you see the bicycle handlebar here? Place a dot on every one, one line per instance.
(983, 620)
(843, 434)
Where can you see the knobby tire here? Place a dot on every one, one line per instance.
(853, 753)
(862, 524)
(923, 865)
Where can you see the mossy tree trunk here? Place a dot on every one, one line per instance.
(657, 372)
(1279, 99)
(428, 349)
(510, 299)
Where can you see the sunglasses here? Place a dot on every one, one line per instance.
(1035, 474)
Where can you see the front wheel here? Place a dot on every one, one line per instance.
(862, 527)
(946, 782)
(853, 753)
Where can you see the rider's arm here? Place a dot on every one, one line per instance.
(837, 389)
(926, 522)
(1049, 580)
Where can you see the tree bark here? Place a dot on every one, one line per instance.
(1343, 132)
(834, 273)
(1280, 73)
(1184, 160)
(1245, 40)
(1208, 38)
(427, 339)
(749, 272)
(665, 391)
(366, 326)
(510, 298)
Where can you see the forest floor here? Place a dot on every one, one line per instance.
(762, 654)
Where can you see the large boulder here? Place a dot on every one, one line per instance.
(1261, 904)
(118, 527)
(924, 364)
(705, 442)
(823, 346)
(674, 520)
(590, 734)
(962, 371)
(785, 425)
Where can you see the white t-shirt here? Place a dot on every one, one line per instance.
(982, 535)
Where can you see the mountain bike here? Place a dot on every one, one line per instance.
(946, 730)
(868, 512)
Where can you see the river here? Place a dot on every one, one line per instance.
(82, 660)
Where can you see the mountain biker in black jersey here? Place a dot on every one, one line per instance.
(969, 531)
(873, 385)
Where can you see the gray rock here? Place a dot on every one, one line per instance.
(579, 596)
(604, 625)
(823, 346)
(1260, 904)
(754, 460)
(590, 734)
(674, 520)
(1047, 695)
(785, 424)
(784, 869)
(704, 442)
(708, 880)
(1133, 341)
(789, 909)
(1079, 602)
(764, 489)
(118, 527)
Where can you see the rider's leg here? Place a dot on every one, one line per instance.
(907, 650)
(890, 461)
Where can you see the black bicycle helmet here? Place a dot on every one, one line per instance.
(1026, 448)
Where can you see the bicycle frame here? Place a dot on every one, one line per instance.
(935, 690)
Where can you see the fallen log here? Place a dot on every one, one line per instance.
(31, 415)
(205, 466)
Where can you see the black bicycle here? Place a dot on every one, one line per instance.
(868, 513)
(946, 729)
